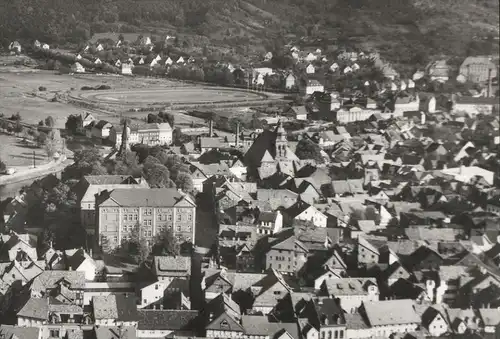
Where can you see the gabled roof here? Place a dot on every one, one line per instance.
(118, 307)
(18, 332)
(168, 265)
(391, 312)
(35, 308)
(174, 320)
(48, 280)
(150, 197)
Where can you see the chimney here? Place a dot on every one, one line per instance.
(236, 143)
(489, 83)
(211, 128)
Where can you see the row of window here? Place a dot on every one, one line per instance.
(337, 334)
(160, 217)
(130, 228)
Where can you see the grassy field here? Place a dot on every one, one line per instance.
(15, 153)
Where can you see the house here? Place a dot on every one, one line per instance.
(101, 129)
(478, 69)
(115, 310)
(168, 61)
(290, 81)
(299, 112)
(120, 211)
(45, 47)
(18, 247)
(15, 47)
(310, 57)
(368, 250)
(269, 222)
(351, 292)
(268, 291)
(306, 212)
(405, 104)
(493, 205)
(99, 48)
(438, 70)
(434, 321)
(469, 174)
(80, 261)
(389, 72)
(310, 69)
(313, 85)
(17, 332)
(222, 317)
(391, 316)
(126, 69)
(77, 68)
(490, 319)
(347, 69)
(348, 114)
(180, 60)
(268, 56)
(286, 255)
(97, 61)
(169, 268)
(163, 323)
(334, 67)
(475, 105)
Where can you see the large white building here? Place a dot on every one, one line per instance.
(148, 134)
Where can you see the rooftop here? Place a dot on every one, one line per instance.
(391, 312)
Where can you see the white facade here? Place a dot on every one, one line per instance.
(312, 214)
(310, 69)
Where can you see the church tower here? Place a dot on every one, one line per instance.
(125, 139)
(281, 142)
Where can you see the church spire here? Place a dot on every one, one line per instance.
(125, 138)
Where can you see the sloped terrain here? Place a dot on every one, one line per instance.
(402, 30)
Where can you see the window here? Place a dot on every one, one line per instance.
(145, 222)
(178, 228)
(159, 217)
(169, 217)
(150, 222)
(179, 217)
(341, 334)
(190, 217)
(124, 217)
(136, 217)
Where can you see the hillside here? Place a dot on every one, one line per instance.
(404, 31)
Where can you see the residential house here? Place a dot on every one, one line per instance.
(121, 211)
(310, 69)
(115, 310)
(368, 250)
(268, 56)
(14, 246)
(101, 129)
(349, 114)
(475, 105)
(405, 104)
(181, 60)
(298, 112)
(163, 323)
(438, 70)
(478, 68)
(287, 255)
(303, 211)
(490, 319)
(268, 291)
(390, 316)
(79, 260)
(351, 292)
(126, 68)
(310, 57)
(312, 86)
(169, 268)
(77, 68)
(434, 321)
(223, 318)
(15, 47)
(290, 81)
(269, 222)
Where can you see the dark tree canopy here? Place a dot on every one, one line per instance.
(307, 149)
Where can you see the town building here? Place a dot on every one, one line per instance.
(150, 211)
(478, 69)
(152, 134)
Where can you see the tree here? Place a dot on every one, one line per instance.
(40, 139)
(18, 128)
(3, 167)
(156, 174)
(86, 162)
(166, 244)
(307, 149)
(53, 143)
(167, 117)
(49, 121)
(72, 123)
(185, 182)
(136, 245)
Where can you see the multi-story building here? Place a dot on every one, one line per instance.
(478, 68)
(151, 210)
(353, 114)
(149, 134)
(351, 292)
(286, 256)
